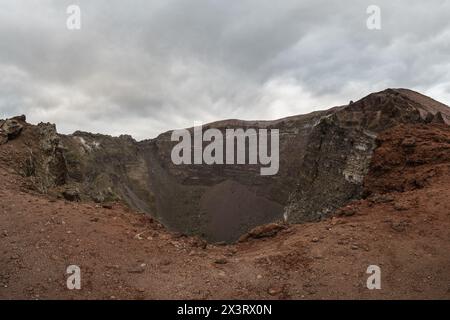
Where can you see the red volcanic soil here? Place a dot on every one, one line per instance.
(403, 226)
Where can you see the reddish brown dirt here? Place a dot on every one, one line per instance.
(408, 157)
(124, 255)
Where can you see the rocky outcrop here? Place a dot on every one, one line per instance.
(10, 128)
(340, 148)
(45, 159)
(107, 169)
(71, 195)
(333, 170)
(53, 162)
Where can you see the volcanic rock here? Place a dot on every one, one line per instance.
(264, 231)
(9, 130)
(71, 195)
(325, 158)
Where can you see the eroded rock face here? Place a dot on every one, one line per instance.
(45, 161)
(108, 169)
(333, 170)
(324, 160)
(53, 163)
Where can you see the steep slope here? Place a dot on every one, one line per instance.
(403, 226)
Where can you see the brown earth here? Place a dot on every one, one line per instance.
(403, 226)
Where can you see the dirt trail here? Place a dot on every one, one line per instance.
(125, 255)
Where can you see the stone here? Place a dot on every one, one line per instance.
(107, 206)
(347, 211)
(137, 269)
(274, 291)
(221, 261)
(71, 195)
(11, 128)
(439, 118)
(401, 206)
(399, 226)
(197, 242)
(268, 230)
(21, 118)
(98, 198)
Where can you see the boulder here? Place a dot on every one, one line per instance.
(268, 230)
(71, 195)
(21, 118)
(10, 129)
(438, 118)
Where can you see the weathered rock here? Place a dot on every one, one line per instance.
(268, 230)
(197, 242)
(439, 118)
(336, 161)
(137, 269)
(3, 137)
(429, 117)
(10, 128)
(401, 206)
(21, 118)
(221, 261)
(346, 211)
(47, 163)
(107, 206)
(98, 198)
(273, 291)
(381, 198)
(71, 195)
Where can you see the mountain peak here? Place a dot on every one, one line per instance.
(401, 103)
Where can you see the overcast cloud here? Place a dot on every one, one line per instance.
(142, 67)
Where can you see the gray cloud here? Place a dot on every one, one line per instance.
(144, 67)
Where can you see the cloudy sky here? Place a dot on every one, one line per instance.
(142, 67)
